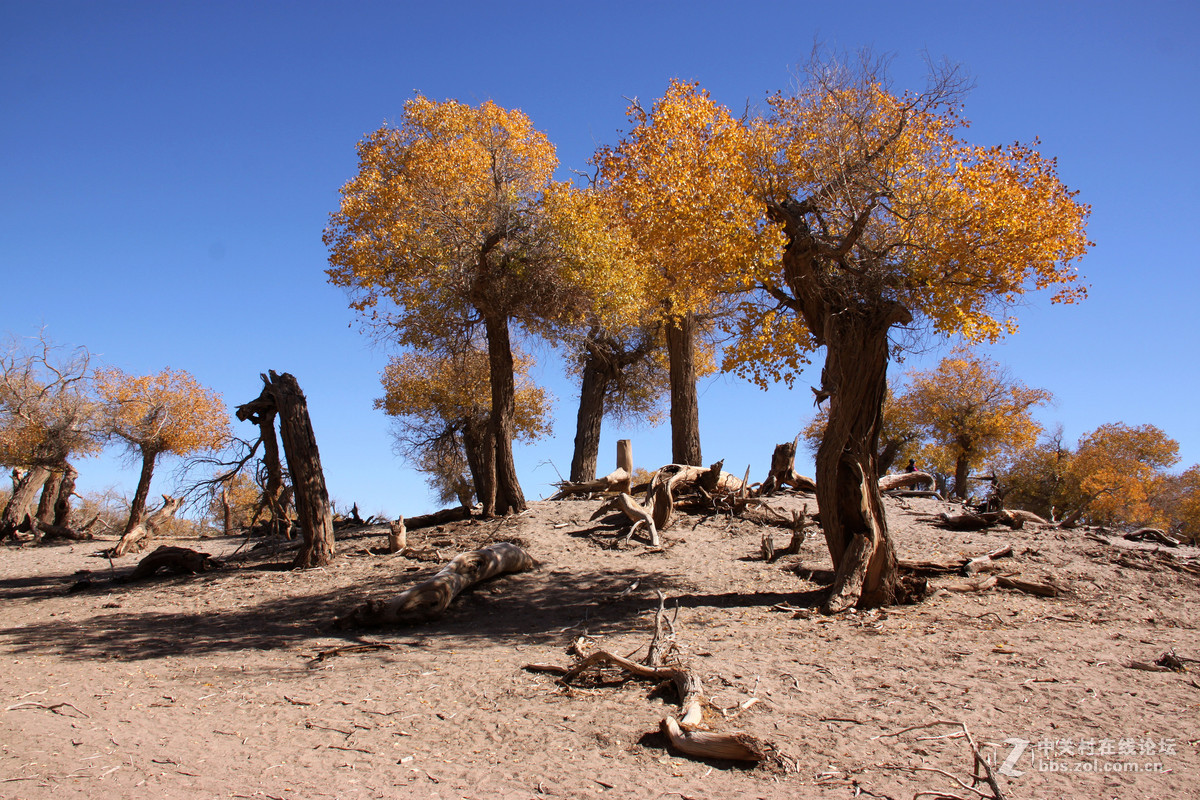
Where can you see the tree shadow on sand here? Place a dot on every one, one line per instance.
(535, 607)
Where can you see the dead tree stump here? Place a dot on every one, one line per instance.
(281, 394)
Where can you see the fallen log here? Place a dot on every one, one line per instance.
(136, 540)
(175, 560)
(430, 599)
(446, 515)
(1029, 587)
(971, 521)
(1151, 535)
(46, 531)
(615, 481)
(904, 480)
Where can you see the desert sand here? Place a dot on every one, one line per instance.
(215, 686)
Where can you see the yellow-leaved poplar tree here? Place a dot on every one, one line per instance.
(972, 412)
(680, 181)
(47, 415)
(1117, 471)
(167, 413)
(442, 406)
(892, 219)
(446, 229)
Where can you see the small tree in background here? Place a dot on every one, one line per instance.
(971, 412)
(47, 416)
(442, 408)
(168, 413)
(1118, 471)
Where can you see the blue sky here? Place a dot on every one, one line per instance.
(167, 168)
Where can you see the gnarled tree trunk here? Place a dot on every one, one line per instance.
(24, 490)
(50, 490)
(66, 490)
(137, 509)
(852, 515)
(685, 406)
(281, 395)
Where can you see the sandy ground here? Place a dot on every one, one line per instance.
(211, 686)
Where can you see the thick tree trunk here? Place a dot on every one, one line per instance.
(509, 497)
(24, 490)
(962, 471)
(50, 490)
(137, 509)
(481, 460)
(66, 490)
(685, 407)
(304, 464)
(591, 414)
(852, 515)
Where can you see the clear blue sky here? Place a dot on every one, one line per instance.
(167, 168)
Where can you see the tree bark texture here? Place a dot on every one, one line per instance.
(481, 460)
(50, 490)
(509, 497)
(281, 396)
(848, 494)
(137, 509)
(24, 490)
(685, 407)
(962, 473)
(273, 497)
(66, 490)
(591, 414)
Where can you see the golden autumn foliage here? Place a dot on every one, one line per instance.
(446, 219)
(168, 412)
(896, 205)
(1121, 469)
(47, 413)
(680, 181)
(972, 413)
(442, 405)
(434, 392)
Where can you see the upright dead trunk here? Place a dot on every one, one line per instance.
(304, 464)
(50, 489)
(137, 509)
(281, 395)
(66, 490)
(685, 407)
(852, 515)
(509, 497)
(596, 369)
(24, 490)
(272, 499)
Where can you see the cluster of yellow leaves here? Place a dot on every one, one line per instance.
(1126, 463)
(903, 209)
(444, 216)
(969, 408)
(680, 181)
(168, 412)
(440, 391)
(46, 412)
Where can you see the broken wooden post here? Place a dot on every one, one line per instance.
(625, 455)
(136, 540)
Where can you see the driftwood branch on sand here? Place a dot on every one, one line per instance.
(430, 599)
